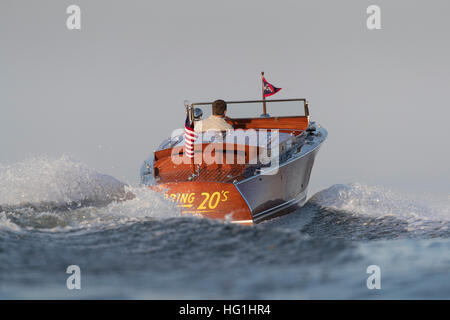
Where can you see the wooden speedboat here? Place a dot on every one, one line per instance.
(261, 172)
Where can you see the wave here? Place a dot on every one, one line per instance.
(357, 210)
(43, 194)
(57, 194)
(378, 201)
(55, 181)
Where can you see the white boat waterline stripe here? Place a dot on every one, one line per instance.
(242, 221)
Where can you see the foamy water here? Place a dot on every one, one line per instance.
(379, 202)
(61, 194)
(57, 181)
(130, 242)
(419, 213)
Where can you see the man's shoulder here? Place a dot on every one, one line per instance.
(225, 123)
(212, 123)
(206, 120)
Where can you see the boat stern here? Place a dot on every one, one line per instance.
(215, 200)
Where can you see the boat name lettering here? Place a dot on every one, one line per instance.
(208, 200)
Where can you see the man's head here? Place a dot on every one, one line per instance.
(219, 107)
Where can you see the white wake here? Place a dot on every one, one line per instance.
(375, 201)
(56, 194)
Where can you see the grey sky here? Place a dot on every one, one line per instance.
(109, 93)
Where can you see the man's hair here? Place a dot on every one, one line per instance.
(219, 107)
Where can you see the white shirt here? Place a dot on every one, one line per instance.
(212, 123)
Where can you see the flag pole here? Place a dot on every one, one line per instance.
(263, 98)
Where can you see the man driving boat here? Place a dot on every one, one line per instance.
(216, 121)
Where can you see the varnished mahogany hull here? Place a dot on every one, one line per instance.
(215, 200)
(230, 191)
(248, 201)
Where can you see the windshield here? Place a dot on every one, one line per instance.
(254, 109)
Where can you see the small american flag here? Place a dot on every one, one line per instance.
(189, 138)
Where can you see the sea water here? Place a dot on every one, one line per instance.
(130, 243)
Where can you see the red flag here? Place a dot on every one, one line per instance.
(268, 88)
